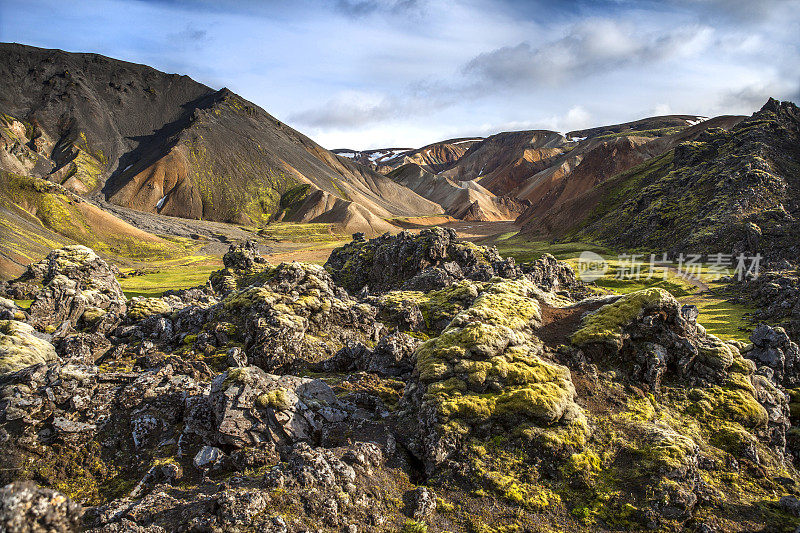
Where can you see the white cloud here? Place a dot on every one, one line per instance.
(591, 46)
(662, 109)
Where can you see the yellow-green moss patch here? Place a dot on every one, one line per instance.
(605, 324)
(20, 347)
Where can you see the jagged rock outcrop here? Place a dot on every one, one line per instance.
(773, 349)
(240, 260)
(73, 284)
(433, 259)
(651, 330)
(393, 355)
(775, 296)
(508, 394)
(656, 342)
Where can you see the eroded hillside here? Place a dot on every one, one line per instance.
(163, 143)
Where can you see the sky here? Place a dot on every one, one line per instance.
(404, 73)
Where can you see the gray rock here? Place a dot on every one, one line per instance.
(772, 348)
(790, 504)
(690, 313)
(236, 357)
(207, 457)
(424, 503)
(251, 406)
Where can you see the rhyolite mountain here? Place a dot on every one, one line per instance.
(534, 170)
(464, 200)
(433, 157)
(163, 143)
(722, 190)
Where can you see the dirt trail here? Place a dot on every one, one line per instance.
(558, 323)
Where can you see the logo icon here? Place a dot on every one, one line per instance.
(591, 266)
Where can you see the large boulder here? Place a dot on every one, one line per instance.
(251, 406)
(432, 259)
(294, 311)
(653, 333)
(75, 285)
(552, 275)
(485, 374)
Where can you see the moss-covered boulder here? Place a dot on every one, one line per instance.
(74, 279)
(605, 325)
(430, 260)
(486, 370)
(647, 334)
(140, 308)
(20, 347)
(436, 308)
(294, 311)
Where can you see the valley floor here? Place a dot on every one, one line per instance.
(298, 242)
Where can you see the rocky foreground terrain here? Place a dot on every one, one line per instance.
(414, 383)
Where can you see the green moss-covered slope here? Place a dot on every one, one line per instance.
(724, 191)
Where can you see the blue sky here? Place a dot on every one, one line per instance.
(377, 73)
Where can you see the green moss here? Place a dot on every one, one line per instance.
(665, 448)
(794, 402)
(80, 473)
(413, 526)
(605, 325)
(584, 466)
(276, 399)
(435, 306)
(657, 132)
(729, 404)
(444, 506)
(732, 438)
(142, 308)
(87, 169)
(251, 188)
(484, 366)
(20, 347)
(92, 315)
(530, 496)
(244, 375)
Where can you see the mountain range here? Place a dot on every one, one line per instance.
(98, 133)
